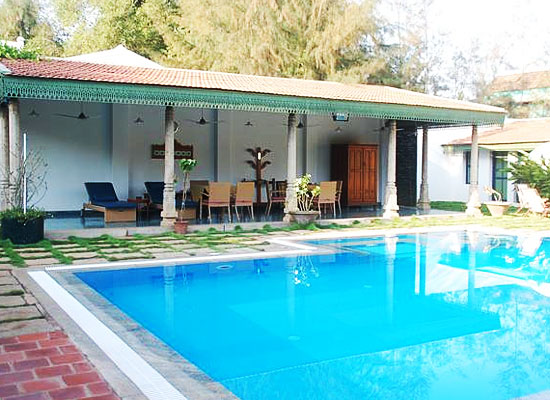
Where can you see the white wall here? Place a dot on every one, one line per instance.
(111, 147)
(447, 169)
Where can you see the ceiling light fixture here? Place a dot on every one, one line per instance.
(139, 121)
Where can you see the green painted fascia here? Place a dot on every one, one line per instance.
(89, 91)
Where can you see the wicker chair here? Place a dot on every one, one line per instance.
(218, 196)
(244, 197)
(276, 193)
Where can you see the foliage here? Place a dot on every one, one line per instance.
(13, 53)
(186, 166)
(29, 181)
(305, 194)
(535, 174)
(27, 19)
(116, 22)
(21, 216)
(311, 39)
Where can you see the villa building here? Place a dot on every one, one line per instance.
(96, 118)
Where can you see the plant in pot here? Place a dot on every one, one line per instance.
(186, 166)
(305, 196)
(22, 222)
(497, 207)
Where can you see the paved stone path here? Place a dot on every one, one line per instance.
(48, 366)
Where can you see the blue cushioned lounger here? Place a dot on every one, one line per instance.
(103, 198)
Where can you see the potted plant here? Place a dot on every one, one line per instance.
(497, 207)
(305, 196)
(186, 166)
(22, 222)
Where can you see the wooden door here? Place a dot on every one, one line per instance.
(370, 181)
(355, 175)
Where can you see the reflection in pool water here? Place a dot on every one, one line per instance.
(427, 316)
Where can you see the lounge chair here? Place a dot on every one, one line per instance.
(218, 196)
(535, 203)
(155, 190)
(244, 197)
(102, 197)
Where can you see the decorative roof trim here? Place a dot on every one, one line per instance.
(102, 92)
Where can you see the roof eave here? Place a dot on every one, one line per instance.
(103, 92)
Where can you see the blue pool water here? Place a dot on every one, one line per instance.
(427, 316)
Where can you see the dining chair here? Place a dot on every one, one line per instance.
(327, 196)
(244, 197)
(276, 193)
(339, 190)
(217, 196)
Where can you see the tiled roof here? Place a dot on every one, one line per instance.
(525, 81)
(535, 130)
(80, 71)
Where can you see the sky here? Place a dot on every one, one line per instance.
(520, 27)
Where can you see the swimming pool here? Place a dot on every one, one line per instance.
(426, 316)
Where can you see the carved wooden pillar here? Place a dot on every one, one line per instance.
(169, 199)
(4, 157)
(291, 202)
(474, 205)
(424, 199)
(390, 204)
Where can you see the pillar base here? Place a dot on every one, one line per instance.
(168, 219)
(423, 202)
(474, 211)
(287, 218)
(473, 207)
(423, 205)
(391, 209)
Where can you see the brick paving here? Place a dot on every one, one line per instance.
(48, 366)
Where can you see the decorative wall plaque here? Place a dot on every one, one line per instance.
(181, 151)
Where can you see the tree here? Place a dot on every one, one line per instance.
(312, 39)
(25, 18)
(408, 51)
(103, 24)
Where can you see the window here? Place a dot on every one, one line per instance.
(500, 172)
(467, 167)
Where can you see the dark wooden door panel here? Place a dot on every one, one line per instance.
(355, 180)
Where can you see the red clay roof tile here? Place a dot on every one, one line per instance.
(73, 70)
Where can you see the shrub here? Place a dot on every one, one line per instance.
(535, 174)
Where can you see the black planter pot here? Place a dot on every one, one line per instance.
(20, 232)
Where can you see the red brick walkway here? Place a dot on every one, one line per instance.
(48, 366)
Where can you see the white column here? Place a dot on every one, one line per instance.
(291, 203)
(169, 201)
(15, 151)
(424, 199)
(4, 157)
(473, 208)
(390, 203)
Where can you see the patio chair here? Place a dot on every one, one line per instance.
(327, 196)
(276, 194)
(244, 197)
(198, 188)
(339, 189)
(218, 196)
(535, 203)
(520, 189)
(102, 197)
